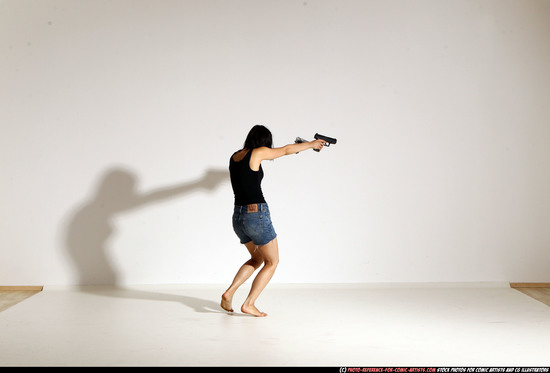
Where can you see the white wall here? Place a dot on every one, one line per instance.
(113, 111)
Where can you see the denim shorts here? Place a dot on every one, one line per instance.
(253, 226)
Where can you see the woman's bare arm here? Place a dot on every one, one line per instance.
(265, 153)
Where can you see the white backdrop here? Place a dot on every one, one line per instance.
(118, 118)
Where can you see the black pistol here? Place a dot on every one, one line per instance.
(326, 139)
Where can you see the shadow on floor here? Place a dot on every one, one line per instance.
(197, 304)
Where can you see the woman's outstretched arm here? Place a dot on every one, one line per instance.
(265, 153)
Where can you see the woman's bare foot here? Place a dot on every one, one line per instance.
(252, 310)
(226, 302)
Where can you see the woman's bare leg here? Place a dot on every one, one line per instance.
(270, 254)
(246, 270)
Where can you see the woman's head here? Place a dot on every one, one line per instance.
(258, 136)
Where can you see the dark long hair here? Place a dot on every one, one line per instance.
(258, 136)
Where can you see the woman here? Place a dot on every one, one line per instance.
(251, 217)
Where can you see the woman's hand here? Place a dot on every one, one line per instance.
(318, 144)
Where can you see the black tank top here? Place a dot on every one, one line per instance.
(246, 183)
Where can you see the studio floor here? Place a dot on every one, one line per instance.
(308, 325)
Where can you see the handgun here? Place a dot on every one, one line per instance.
(326, 139)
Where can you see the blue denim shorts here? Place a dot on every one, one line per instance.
(253, 224)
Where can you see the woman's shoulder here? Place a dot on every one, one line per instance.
(260, 149)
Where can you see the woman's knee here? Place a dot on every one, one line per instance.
(270, 253)
(271, 262)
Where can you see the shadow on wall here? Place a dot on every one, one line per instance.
(91, 226)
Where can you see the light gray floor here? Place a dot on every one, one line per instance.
(316, 325)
